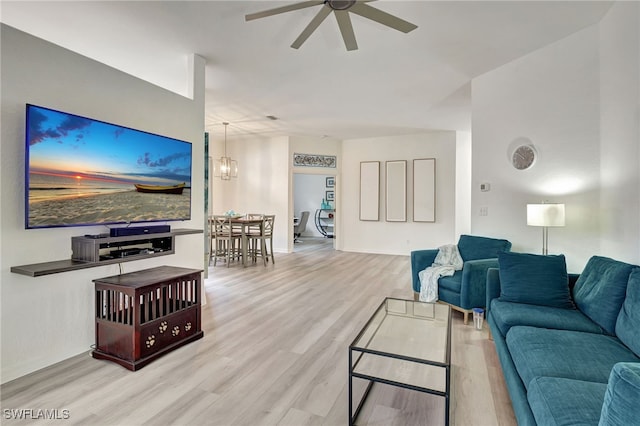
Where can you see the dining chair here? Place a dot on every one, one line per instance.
(262, 242)
(267, 234)
(257, 228)
(224, 240)
(300, 226)
(254, 232)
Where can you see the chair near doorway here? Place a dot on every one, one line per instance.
(300, 226)
(225, 243)
(261, 248)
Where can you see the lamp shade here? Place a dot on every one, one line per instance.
(545, 214)
(225, 168)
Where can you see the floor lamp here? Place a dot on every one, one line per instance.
(546, 216)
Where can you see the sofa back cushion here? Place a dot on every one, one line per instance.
(600, 290)
(472, 247)
(534, 279)
(628, 323)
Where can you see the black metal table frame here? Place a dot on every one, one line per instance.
(320, 226)
(446, 365)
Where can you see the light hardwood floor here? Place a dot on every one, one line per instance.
(275, 352)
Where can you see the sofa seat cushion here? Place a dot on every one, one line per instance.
(601, 289)
(453, 283)
(538, 352)
(509, 314)
(559, 401)
(628, 323)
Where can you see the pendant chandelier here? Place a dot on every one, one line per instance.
(225, 168)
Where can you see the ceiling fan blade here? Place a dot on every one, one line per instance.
(344, 22)
(381, 17)
(282, 9)
(313, 25)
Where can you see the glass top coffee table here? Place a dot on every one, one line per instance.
(405, 344)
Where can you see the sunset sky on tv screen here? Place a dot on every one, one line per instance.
(66, 145)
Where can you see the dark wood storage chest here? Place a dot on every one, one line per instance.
(142, 315)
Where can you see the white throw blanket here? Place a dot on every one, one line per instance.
(446, 263)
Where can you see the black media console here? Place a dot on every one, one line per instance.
(92, 249)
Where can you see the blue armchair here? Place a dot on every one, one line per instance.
(466, 289)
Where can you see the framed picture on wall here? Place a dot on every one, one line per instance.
(369, 190)
(331, 182)
(424, 190)
(396, 180)
(329, 196)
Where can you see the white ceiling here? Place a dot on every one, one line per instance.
(393, 84)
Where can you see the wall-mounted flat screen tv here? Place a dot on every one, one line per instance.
(80, 171)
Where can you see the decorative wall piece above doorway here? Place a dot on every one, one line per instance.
(313, 160)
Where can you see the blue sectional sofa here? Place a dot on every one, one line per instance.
(464, 290)
(569, 345)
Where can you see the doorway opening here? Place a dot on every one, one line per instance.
(315, 194)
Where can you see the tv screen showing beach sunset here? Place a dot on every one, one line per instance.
(82, 171)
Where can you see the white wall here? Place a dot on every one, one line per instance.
(463, 183)
(48, 319)
(575, 100)
(620, 131)
(262, 184)
(399, 237)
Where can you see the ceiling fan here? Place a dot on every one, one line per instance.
(341, 9)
